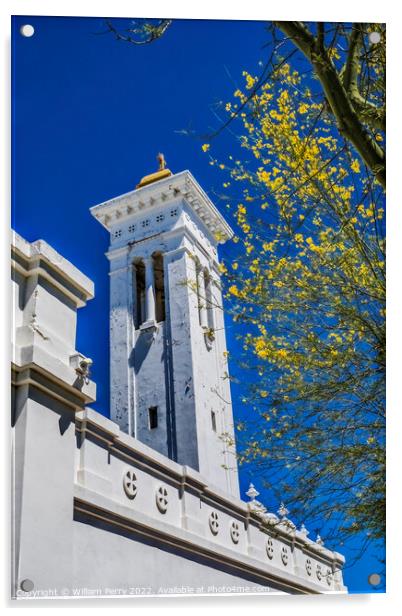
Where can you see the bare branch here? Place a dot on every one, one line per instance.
(140, 35)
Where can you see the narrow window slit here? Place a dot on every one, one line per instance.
(153, 417)
(213, 420)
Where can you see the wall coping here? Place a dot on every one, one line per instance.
(39, 258)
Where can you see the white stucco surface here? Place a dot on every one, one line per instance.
(105, 507)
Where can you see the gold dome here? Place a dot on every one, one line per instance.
(157, 175)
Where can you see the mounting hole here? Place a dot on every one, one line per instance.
(374, 579)
(374, 37)
(27, 585)
(27, 30)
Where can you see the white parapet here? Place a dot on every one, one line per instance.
(128, 487)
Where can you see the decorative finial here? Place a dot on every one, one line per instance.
(252, 493)
(319, 540)
(283, 512)
(161, 160)
(304, 531)
(160, 174)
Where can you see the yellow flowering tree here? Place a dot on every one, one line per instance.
(349, 63)
(305, 284)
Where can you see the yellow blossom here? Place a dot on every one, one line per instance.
(355, 166)
(234, 290)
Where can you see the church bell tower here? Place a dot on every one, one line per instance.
(168, 367)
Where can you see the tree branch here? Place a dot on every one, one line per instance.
(349, 124)
(150, 31)
(367, 111)
(349, 72)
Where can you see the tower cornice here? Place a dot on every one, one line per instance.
(164, 192)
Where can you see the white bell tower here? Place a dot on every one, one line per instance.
(168, 367)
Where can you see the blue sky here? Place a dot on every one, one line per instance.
(89, 116)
